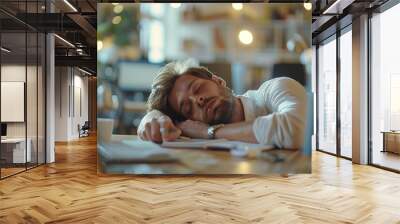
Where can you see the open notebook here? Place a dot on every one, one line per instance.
(210, 144)
(134, 150)
(236, 148)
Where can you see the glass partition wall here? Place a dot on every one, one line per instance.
(385, 89)
(22, 77)
(334, 94)
(327, 96)
(346, 93)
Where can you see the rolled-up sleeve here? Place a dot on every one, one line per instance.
(285, 126)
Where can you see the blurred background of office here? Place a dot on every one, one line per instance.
(245, 44)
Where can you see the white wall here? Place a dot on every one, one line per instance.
(70, 83)
(62, 81)
(12, 73)
(33, 127)
(79, 117)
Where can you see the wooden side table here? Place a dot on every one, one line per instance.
(391, 141)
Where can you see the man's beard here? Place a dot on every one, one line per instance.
(224, 112)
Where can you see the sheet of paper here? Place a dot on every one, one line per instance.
(191, 143)
(222, 144)
(135, 151)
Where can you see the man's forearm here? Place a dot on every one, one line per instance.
(241, 131)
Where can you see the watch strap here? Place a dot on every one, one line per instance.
(212, 129)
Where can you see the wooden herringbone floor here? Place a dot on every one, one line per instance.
(70, 191)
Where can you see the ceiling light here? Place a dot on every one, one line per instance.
(115, 3)
(334, 7)
(116, 20)
(246, 37)
(5, 49)
(237, 6)
(70, 5)
(175, 5)
(84, 71)
(307, 6)
(65, 41)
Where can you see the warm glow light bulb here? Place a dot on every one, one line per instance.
(99, 45)
(175, 5)
(307, 6)
(118, 9)
(246, 37)
(237, 6)
(116, 20)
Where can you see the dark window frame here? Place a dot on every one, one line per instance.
(30, 30)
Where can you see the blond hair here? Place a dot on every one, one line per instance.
(165, 80)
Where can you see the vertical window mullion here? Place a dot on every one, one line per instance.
(317, 96)
(26, 86)
(0, 95)
(338, 74)
(37, 90)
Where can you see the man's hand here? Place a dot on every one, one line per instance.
(159, 129)
(194, 129)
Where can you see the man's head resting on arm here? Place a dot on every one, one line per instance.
(191, 92)
(191, 98)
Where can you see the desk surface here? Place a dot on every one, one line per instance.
(13, 140)
(390, 132)
(198, 161)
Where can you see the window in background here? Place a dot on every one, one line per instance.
(346, 94)
(385, 84)
(152, 32)
(394, 101)
(327, 97)
(156, 42)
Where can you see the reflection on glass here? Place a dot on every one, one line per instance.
(327, 97)
(14, 150)
(346, 94)
(23, 90)
(385, 86)
(41, 99)
(31, 97)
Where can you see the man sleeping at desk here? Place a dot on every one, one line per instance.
(192, 101)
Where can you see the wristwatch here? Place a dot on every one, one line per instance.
(212, 129)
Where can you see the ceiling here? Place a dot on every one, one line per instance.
(330, 15)
(73, 20)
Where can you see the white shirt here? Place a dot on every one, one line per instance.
(279, 110)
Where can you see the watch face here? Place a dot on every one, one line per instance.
(210, 132)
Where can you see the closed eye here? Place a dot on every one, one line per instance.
(197, 88)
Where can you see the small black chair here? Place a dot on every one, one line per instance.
(84, 130)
